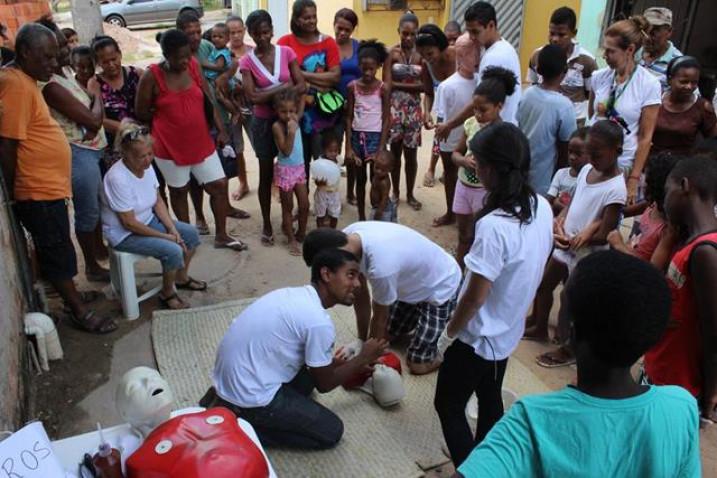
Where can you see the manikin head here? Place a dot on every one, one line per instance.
(143, 399)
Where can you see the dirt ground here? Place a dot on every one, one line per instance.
(79, 390)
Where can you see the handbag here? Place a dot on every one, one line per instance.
(330, 102)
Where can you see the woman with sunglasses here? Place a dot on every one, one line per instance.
(628, 94)
(135, 219)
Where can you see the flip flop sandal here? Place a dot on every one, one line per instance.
(352, 201)
(202, 229)
(86, 297)
(235, 245)
(192, 284)
(429, 181)
(93, 324)
(166, 300)
(415, 204)
(267, 240)
(239, 214)
(545, 360)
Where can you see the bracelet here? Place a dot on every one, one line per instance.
(633, 177)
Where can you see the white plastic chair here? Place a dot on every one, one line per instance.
(124, 283)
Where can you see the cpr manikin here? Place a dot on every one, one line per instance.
(143, 399)
(384, 384)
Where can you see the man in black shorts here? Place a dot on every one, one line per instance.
(36, 164)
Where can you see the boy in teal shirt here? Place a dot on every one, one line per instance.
(608, 425)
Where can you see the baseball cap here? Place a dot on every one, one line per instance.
(658, 16)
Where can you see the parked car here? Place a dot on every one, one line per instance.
(134, 12)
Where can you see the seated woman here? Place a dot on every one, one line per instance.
(135, 218)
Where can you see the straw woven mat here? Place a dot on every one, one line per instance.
(393, 443)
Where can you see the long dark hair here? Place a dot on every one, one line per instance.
(296, 10)
(505, 150)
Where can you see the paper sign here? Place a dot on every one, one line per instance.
(28, 454)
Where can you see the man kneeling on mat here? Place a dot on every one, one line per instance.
(280, 348)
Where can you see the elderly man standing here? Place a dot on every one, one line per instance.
(658, 50)
(36, 164)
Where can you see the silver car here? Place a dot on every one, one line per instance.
(134, 12)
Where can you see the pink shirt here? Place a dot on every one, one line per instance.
(265, 79)
(368, 109)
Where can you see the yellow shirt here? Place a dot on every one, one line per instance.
(44, 160)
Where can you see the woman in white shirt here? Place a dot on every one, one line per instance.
(628, 94)
(513, 240)
(135, 218)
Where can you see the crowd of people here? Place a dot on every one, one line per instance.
(538, 181)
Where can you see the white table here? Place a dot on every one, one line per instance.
(71, 450)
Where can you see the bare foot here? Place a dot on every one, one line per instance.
(444, 220)
(423, 368)
(294, 248)
(240, 193)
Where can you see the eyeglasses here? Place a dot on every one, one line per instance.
(135, 135)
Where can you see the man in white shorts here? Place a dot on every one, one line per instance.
(413, 282)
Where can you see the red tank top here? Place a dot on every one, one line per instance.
(179, 127)
(677, 357)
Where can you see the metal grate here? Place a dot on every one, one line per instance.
(509, 13)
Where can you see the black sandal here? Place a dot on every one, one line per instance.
(166, 300)
(93, 324)
(192, 284)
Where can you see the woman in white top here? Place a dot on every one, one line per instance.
(135, 218)
(513, 240)
(628, 94)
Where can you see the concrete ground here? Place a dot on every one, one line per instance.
(78, 391)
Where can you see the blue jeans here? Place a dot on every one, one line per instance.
(86, 183)
(169, 253)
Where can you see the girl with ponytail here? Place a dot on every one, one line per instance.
(513, 240)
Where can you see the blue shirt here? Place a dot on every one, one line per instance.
(349, 69)
(213, 57)
(571, 434)
(296, 157)
(546, 117)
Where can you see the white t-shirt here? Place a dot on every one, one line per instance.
(502, 53)
(452, 96)
(641, 91)
(123, 192)
(269, 343)
(401, 264)
(563, 185)
(513, 257)
(589, 200)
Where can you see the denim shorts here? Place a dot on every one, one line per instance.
(49, 225)
(365, 143)
(262, 138)
(169, 253)
(86, 184)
